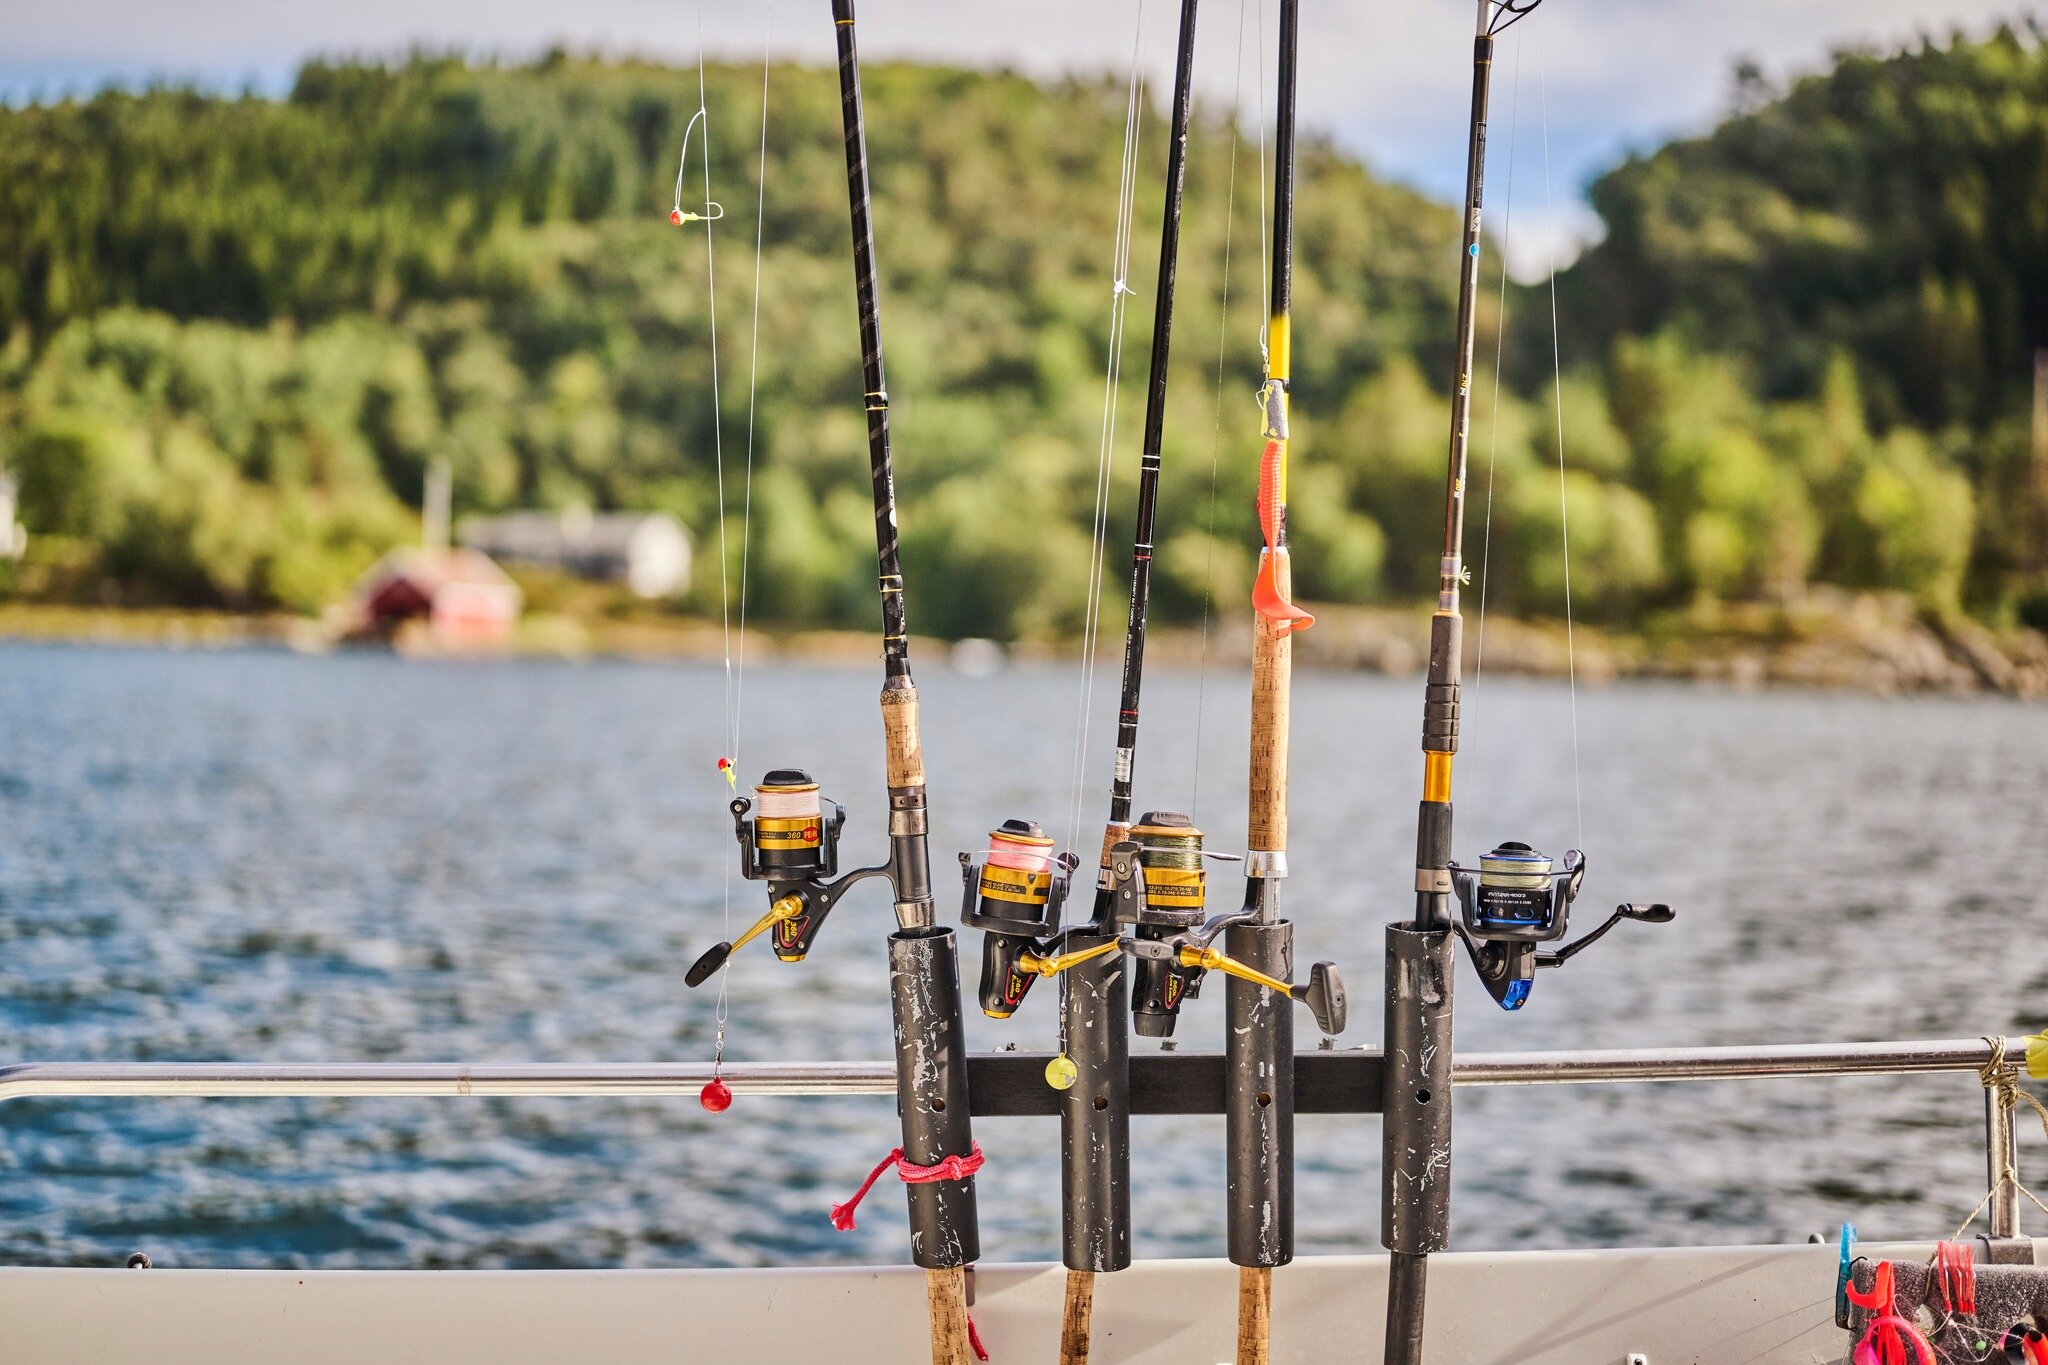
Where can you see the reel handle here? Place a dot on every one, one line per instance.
(1060, 962)
(1323, 992)
(1651, 913)
(785, 908)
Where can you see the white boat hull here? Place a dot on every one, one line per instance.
(1771, 1305)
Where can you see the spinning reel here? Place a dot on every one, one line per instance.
(790, 843)
(1014, 895)
(1516, 899)
(1158, 888)
(1014, 892)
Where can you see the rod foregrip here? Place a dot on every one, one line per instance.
(1415, 1163)
(1272, 674)
(904, 749)
(1258, 1097)
(931, 1093)
(1095, 1112)
(1440, 698)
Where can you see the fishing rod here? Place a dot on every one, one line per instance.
(789, 841)
(1516, 900)
(1092, 1070)
(1152, 884)
(1259, 1032)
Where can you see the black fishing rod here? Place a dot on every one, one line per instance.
(791, 844)
(1015, 894)
(1515, 901)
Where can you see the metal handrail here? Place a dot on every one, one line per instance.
(229, 1079)
(223, 1079)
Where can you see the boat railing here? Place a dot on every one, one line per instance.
(1010, 1083)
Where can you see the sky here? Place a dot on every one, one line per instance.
(1578, 84)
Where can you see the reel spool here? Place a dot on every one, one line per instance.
(1517, 898)
(784, 835)
(789, 838)
(1163, 894)
(1013, 895)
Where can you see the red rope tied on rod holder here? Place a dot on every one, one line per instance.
(952, 1168)
(910, 1173)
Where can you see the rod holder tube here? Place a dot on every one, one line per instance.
(1258, 1097)
(1415, 1165)
(1095, 1112)
(931, 1093)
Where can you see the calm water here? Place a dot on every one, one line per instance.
(258, 856)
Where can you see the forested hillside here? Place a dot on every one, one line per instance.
(236, 329)
(1862, 259)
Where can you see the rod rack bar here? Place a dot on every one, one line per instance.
(1001, 1083)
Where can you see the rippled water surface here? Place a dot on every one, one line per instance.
(257, 856)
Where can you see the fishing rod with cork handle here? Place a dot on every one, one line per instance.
(1150, 901)
(1514, 901)
(791, 844)
(1259, 1032)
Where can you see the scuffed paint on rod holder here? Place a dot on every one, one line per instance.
(1415, 1174)
(1415, 1163)
(1259, 1097)
(931, 1093)
(1095, 1112)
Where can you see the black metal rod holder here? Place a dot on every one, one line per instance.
(932, 1094)
(1095, 1112)
(1415, 1164)
(1415, 1185)
(1259, 1097)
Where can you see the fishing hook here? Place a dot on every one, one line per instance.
(713, 210)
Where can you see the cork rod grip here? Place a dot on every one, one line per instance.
(1254, 1315)
(1272, 672)
(899, 730)
(1075, 1318)
(946, 1294)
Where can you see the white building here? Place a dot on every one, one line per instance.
(647, 551)
(13, 535)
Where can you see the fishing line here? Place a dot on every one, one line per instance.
(1500, 342)
(753, 374)
(1571, 662)
(739, 672)
(711, 214)
(1265, 248)
(1120, 291)
(1216, 432)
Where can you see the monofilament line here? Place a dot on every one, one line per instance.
(1500, 343)
(1216, 432)
(718, 465)
(753, 380)
(1112, 384)
(1571, 663)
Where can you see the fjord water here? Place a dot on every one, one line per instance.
(255, 856)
